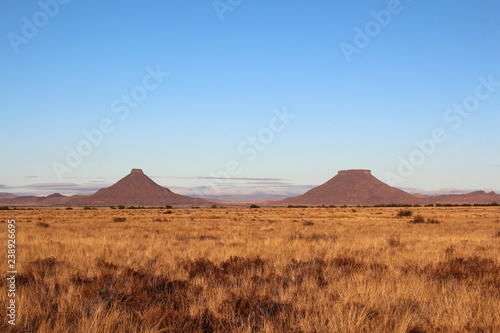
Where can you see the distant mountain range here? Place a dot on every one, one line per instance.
(348, 187)
(7, 195)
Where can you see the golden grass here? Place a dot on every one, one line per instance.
(256, 270)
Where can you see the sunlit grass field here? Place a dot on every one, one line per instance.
(239, 269)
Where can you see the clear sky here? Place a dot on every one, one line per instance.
(276, 95)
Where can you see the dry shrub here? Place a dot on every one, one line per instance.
(131, 289)
(404, 212)
(237, 265)
(119, 219)
(348, 265)
(205, 237)
(41, 268)
(471, 270)
(411, 268)
(172, 320)
(418, 219)
(421, 219)
(23, 279)
(105, 268)
(251, 310)
(205, 322)
(449, 251)
(202, 267)
(416, 329)
(378, 267)
(313, 269)
(394, 241)
(273, 280)
(175, 321)
(79, 279)
(234, 266)
(42, 224)
(346, 262)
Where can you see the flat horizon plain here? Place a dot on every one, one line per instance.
(239, 269)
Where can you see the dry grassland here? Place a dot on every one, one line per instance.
(255, 270)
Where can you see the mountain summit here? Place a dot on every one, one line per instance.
(136, 189)
(354, 187)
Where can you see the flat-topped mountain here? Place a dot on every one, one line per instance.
(354, 187)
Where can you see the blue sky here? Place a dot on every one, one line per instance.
(276, 95)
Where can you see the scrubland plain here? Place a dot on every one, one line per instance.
(255, 270)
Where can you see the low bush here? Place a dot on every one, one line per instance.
(418, 219)
(394, 241)
(421, 219)
(404, 212)
(432, 221)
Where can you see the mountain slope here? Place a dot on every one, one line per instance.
(354, 187)
(4, 195)
(135, 189)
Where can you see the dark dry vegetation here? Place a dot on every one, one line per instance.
(257, 270)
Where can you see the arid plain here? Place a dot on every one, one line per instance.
(240, 269)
